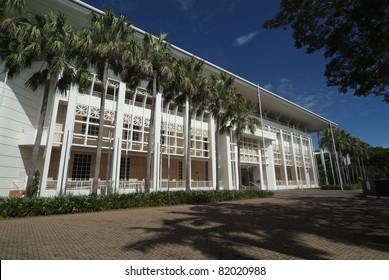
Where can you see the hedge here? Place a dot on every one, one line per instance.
(345, 187)
(39, 206)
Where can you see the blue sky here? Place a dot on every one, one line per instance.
(229, 33)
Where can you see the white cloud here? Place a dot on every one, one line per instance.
(268, 86)
(285, 88)
(244, 39)
(313, 99)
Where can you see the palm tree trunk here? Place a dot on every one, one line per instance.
(239, 167)
(151, 134)
(101, 129)
(189, 148)
(343, 167)
(360, 168)
(363, 169)
(351, 171)
(217, 151)
(332, 170)
(38, 138)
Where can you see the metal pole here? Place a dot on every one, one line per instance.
(263, 138)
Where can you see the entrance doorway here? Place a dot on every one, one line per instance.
(247, 175)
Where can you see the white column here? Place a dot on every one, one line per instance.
(236, 167)
(67, 141)
(212, 150)
(313, 162)
(284, 168)
(260, 151)
(294, 158)
(49, 144)
(187, 142)
(304, 171)
(117, 145)
(225, 163)
(157, 142)
(270, 171)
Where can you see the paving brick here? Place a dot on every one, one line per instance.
(294, 224)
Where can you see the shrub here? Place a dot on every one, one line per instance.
(345, 187)
(38, 206)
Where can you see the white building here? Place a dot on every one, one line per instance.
(278, 156)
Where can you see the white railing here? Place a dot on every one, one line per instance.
(137, 186)
(79, 185)
(181, 185)
(127, 186)
(201, 184)
(280, 182)
(167, 185)
(51, 184)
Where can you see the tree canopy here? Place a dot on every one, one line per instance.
(353, 34)
(38, 38)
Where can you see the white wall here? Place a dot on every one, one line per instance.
(19, 109)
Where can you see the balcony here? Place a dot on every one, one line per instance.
(29, 135)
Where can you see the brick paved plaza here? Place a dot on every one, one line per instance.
(295, 224)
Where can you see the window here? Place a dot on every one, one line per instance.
(180, 172)
(135, 134)
(81, 167)
(124, 168)
(93, 128)
(125, 134)
(206, 171)
(206, 148)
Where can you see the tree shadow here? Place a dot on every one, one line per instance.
(286, 230)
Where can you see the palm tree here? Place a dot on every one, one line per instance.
(359, 149)
(154, 63)
(349, 147)
(221, 88)
(38, 38)
(102, 46)
(238, 117)
(326, 142)
(189, 85)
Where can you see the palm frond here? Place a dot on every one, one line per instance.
(38, 79)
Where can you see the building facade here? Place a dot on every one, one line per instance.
(279, 155)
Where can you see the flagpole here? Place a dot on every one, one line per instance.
(263, 137)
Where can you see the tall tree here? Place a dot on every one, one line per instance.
(37, 38)
(377, 166)
(222, 87)
(154, 63)
(189, 85)
(349, 148)
(353, 34)
(102, 46)
(238, 118)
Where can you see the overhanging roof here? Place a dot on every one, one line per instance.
(273, 105)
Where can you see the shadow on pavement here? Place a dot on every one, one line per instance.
(293, 228)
